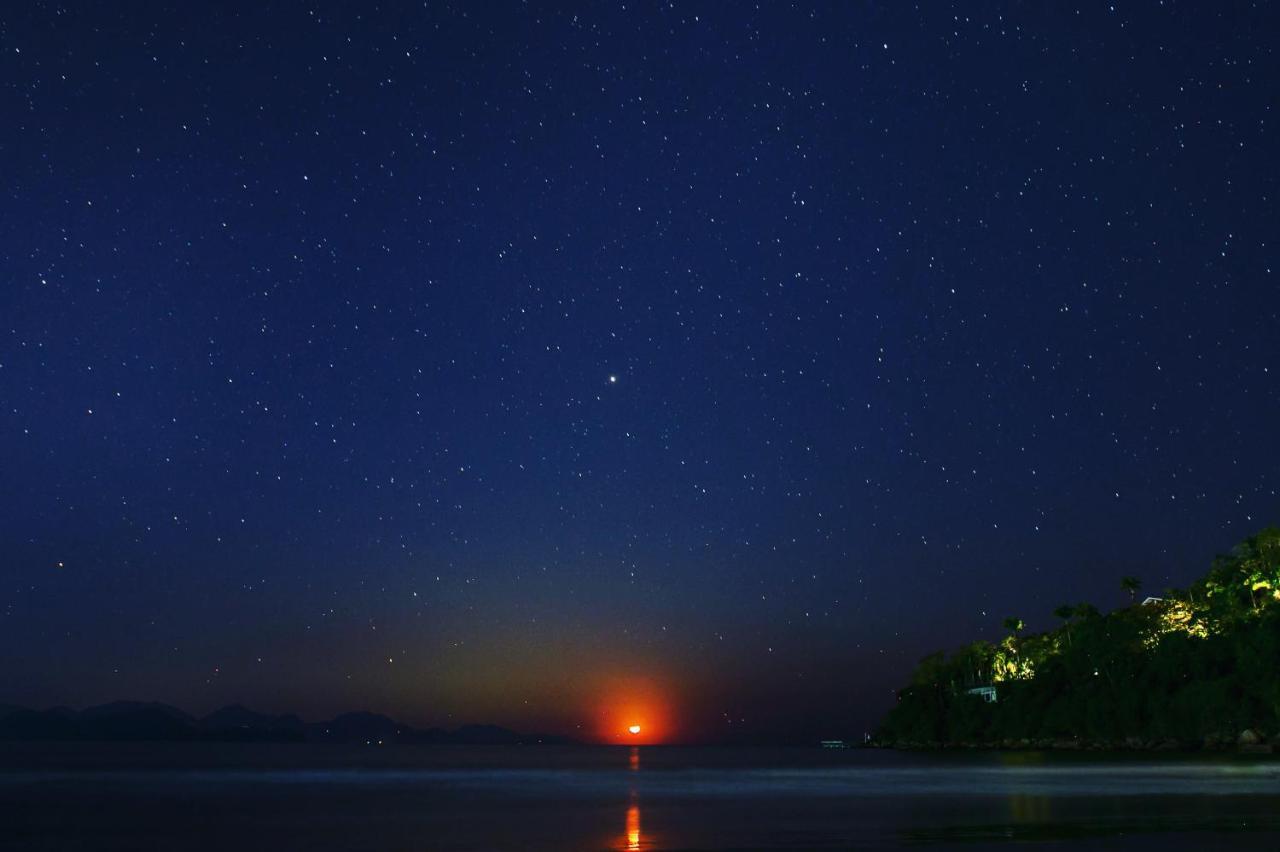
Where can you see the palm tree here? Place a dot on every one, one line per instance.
(1131, 585)
(1066, 612)
(1014, 625)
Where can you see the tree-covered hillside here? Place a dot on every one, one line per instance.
(1197, 667)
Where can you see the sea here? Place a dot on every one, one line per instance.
(203, 796)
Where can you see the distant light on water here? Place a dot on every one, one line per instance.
(633, 827)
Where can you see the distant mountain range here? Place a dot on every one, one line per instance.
(135, 721)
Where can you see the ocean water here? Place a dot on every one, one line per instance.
(206, 796)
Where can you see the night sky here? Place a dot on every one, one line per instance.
(702, 363)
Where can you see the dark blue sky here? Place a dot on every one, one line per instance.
(504, 363)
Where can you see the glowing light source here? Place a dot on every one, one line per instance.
(633, 710)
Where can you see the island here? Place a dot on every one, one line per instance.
(1194, 668)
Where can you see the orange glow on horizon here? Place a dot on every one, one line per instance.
(634, 712)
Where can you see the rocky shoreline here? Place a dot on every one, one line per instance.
(1249, 741)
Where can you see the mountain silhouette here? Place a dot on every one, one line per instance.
(136, 721)
(237, 722)
(356, 727)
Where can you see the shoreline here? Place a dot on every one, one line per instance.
(1249, 742)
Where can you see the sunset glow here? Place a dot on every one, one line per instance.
(634, 711)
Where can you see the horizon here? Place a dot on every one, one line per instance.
(700, 368)
(633, 736)
(621, 732)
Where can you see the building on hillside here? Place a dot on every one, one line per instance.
(986, 693)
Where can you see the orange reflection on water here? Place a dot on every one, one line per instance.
(633, 827)
(632, 841)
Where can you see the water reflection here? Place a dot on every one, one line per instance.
(633, 827)
(1029, 809)
(632, 840)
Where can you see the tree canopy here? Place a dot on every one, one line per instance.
(1201, 664)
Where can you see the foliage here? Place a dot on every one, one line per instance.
(1197, 665)
(1132, 585)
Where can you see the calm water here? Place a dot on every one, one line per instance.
(203, 797)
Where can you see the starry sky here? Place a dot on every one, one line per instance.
(545, 364)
